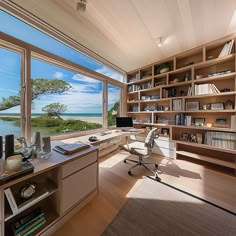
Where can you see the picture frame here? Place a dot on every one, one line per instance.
(192, 106)
(199, 121)
(217, 106)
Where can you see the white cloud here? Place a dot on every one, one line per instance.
(110, 73)
(58, 75)
(84, 79)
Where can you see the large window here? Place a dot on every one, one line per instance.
(64, 101)
(113, 104)
(31, 35)
(10, 87)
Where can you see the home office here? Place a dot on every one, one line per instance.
(70, 68)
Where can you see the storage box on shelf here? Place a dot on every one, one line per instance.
(193, 92)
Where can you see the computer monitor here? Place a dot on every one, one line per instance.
(124, 122)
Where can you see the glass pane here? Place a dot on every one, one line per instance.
(64, 102)
(37, 38)
(10, 79)
(113, 104)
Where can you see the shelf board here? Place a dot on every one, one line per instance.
(204, 128)
(218, 77)
(140, 80)
(133, 92)
(162, 75)
(150, 100)
(177, 84)
(211, 95)
(206, 146)
(40, 195)
(130, 102)
(141, 112)
(207, 159)
(198, 111)
(214, 61)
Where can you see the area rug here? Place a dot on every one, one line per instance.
(158, 209)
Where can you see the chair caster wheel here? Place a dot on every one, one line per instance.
(158, 178)
(124, 161)
(129, 172)
(156, 165)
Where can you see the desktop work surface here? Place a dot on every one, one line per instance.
(104, 136)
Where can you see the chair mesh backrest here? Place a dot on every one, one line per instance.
(149, 141)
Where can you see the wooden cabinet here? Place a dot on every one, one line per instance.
(76, 186)
(191, 98)
(63, 183)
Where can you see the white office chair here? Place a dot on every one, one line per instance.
(142, 150)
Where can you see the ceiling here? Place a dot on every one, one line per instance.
(125, 32)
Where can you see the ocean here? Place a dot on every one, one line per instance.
(64, 114)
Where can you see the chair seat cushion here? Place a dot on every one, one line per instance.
(137, 148)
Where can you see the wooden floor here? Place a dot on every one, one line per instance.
(115, 186)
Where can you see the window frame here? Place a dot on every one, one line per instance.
(29, 51)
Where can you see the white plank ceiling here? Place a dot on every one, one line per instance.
(125, 32)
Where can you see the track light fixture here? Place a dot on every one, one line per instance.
(81, 5)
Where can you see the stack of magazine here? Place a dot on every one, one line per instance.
(28, 224)
(67, 149)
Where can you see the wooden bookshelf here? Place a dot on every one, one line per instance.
(196, 69)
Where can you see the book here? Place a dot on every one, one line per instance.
(24, 220)
(71, 148)
(34, 228)
(11, 200)
(30, 226)
(30, 222)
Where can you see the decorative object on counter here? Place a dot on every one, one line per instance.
(199, 137)
(189, 63)
(174, 81)
(199, 121)
(165, 67)
(187, 76)
(184, 137)
(229, 105)
(210, 57)
(225, 90)
(192, 106)
(199, 76)
(36, 140)
(165, 132)
(9, 145)
(46, 152)
(150, 107)
(221, 122)
(13, 163)
(28, 190)
(193, 138)
(217, 106)
(167, 108)
(223, 72)
(209, 125)
(206, 106)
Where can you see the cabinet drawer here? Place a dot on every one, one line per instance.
(165, 144)
(78, 164)
(164, 152)
(78, 185)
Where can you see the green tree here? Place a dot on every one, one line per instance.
(55, 109)
(113, 113)
(39, 86)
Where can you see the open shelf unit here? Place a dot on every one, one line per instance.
(193, 96)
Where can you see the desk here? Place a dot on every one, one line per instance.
(109, 135)
(105, 141)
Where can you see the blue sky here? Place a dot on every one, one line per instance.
(86, 93)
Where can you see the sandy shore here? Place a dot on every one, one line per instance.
(97, 120)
